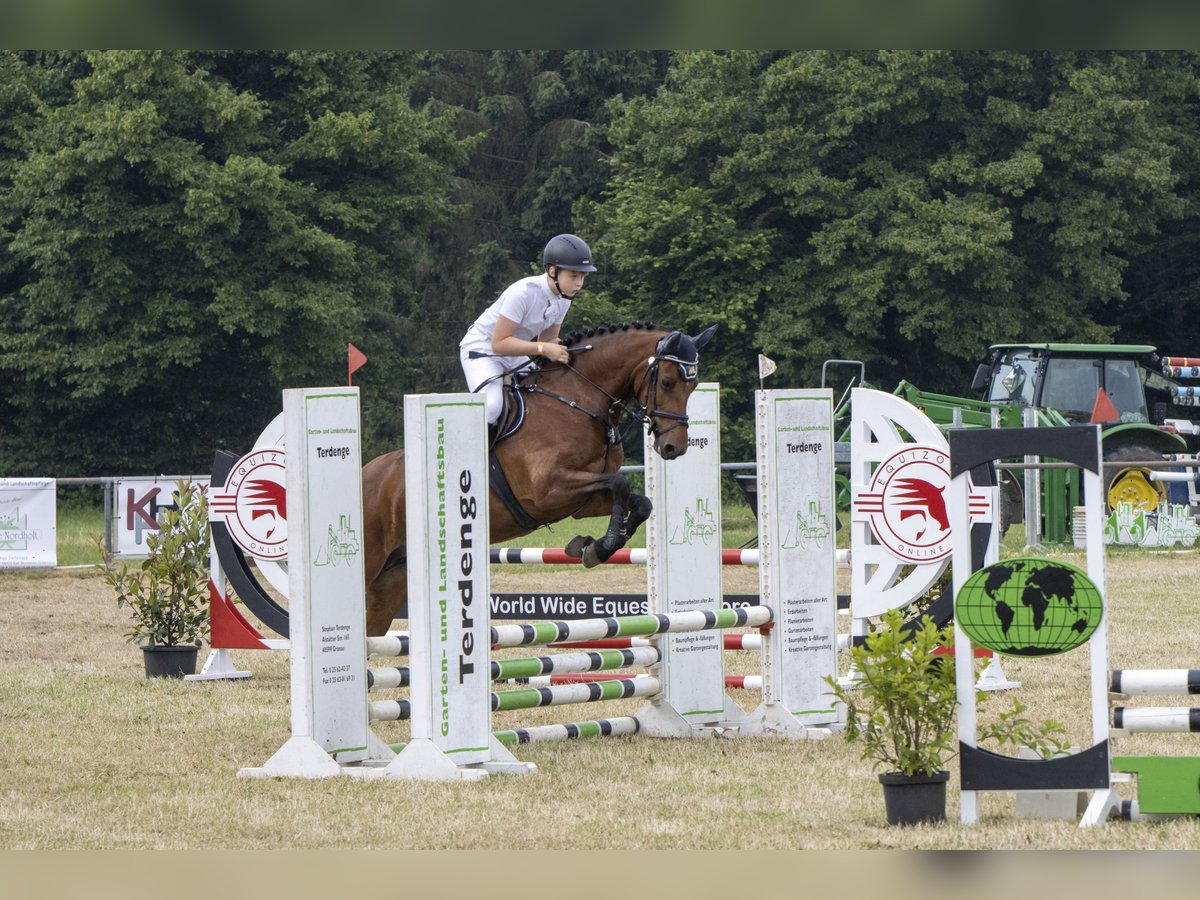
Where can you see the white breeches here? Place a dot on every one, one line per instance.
(477, 371)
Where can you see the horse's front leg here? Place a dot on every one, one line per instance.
(639, 512)
(629, 510)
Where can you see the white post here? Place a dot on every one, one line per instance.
(684, 572)
(797, 563)
(446, 488)
(325, 587)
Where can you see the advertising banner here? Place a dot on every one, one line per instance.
(135, 507)
(28, 523)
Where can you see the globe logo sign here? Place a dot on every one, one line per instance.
(1029, 607)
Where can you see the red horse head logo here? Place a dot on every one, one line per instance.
(922, 499)
(266, 498)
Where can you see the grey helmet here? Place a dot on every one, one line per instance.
(568, 252)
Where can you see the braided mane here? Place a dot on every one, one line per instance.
(581, 336)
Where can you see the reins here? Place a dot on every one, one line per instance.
(639, 413)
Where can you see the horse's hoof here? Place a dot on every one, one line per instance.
(578, 545)
(591, 558)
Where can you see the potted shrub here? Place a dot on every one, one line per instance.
(167, 594)
(902, 707)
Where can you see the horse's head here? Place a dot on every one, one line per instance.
(672, 374)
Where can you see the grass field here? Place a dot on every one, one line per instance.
(99, 757)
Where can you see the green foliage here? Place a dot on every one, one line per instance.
(185, 234)
(902, 707)
(167, 595)
(904, 208)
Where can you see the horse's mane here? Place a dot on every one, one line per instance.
(580, 336)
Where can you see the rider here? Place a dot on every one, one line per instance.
(524, 321)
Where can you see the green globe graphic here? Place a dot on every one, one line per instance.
(1029, 607)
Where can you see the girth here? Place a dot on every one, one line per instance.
(499, 484)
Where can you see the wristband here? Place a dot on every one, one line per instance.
(541, 344)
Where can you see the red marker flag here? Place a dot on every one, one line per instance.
(1103, 411)
(357, 358)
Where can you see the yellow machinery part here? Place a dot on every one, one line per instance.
(1133, 485)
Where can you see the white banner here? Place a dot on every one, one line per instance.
(28, 523)
(135, 506)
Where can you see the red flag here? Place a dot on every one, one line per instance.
(357, 358)
(1103, 411)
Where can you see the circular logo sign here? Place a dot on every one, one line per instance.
(906, 503)
(253, 503)
(1029, 607)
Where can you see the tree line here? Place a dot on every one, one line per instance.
(184, 234)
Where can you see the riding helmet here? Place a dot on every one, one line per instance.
(568, 252)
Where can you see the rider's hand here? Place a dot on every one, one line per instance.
(556, 352)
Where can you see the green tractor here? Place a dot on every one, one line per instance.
(1122, 386)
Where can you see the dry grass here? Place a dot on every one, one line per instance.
(99, 757)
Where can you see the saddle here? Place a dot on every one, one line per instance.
(512, 416)
(510, 421)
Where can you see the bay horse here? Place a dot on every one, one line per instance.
(563, 459)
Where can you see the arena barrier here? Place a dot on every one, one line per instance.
(450, 701)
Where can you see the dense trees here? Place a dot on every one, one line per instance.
(184, 234)
(901, 208)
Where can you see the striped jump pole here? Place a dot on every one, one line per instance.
(618, 726)
(576, 678)
(636, 556)
(744, 682)
(394, 643)
(567, 665)
(629, 556)
(532, 698)
(1155, 681)
(729, 642)
(541, 633)
(1156, 719)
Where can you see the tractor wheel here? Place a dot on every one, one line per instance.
(1132, 484)
(1012, 502)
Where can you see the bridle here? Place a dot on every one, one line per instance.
(643, 412)
(689, 370)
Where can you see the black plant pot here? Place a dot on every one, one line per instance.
(912, 799)
(170, 662)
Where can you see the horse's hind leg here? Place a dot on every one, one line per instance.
(387, 597)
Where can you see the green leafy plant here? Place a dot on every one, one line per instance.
(902, 705)
(167, 594)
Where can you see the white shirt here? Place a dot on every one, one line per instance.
(530, 303)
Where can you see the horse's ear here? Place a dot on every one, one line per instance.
(703, 337)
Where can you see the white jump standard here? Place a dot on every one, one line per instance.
(450, 636)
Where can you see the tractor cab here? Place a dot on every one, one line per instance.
(1121, 386)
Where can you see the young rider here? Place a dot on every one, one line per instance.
(524, 321)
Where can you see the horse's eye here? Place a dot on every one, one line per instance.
(669, 383)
